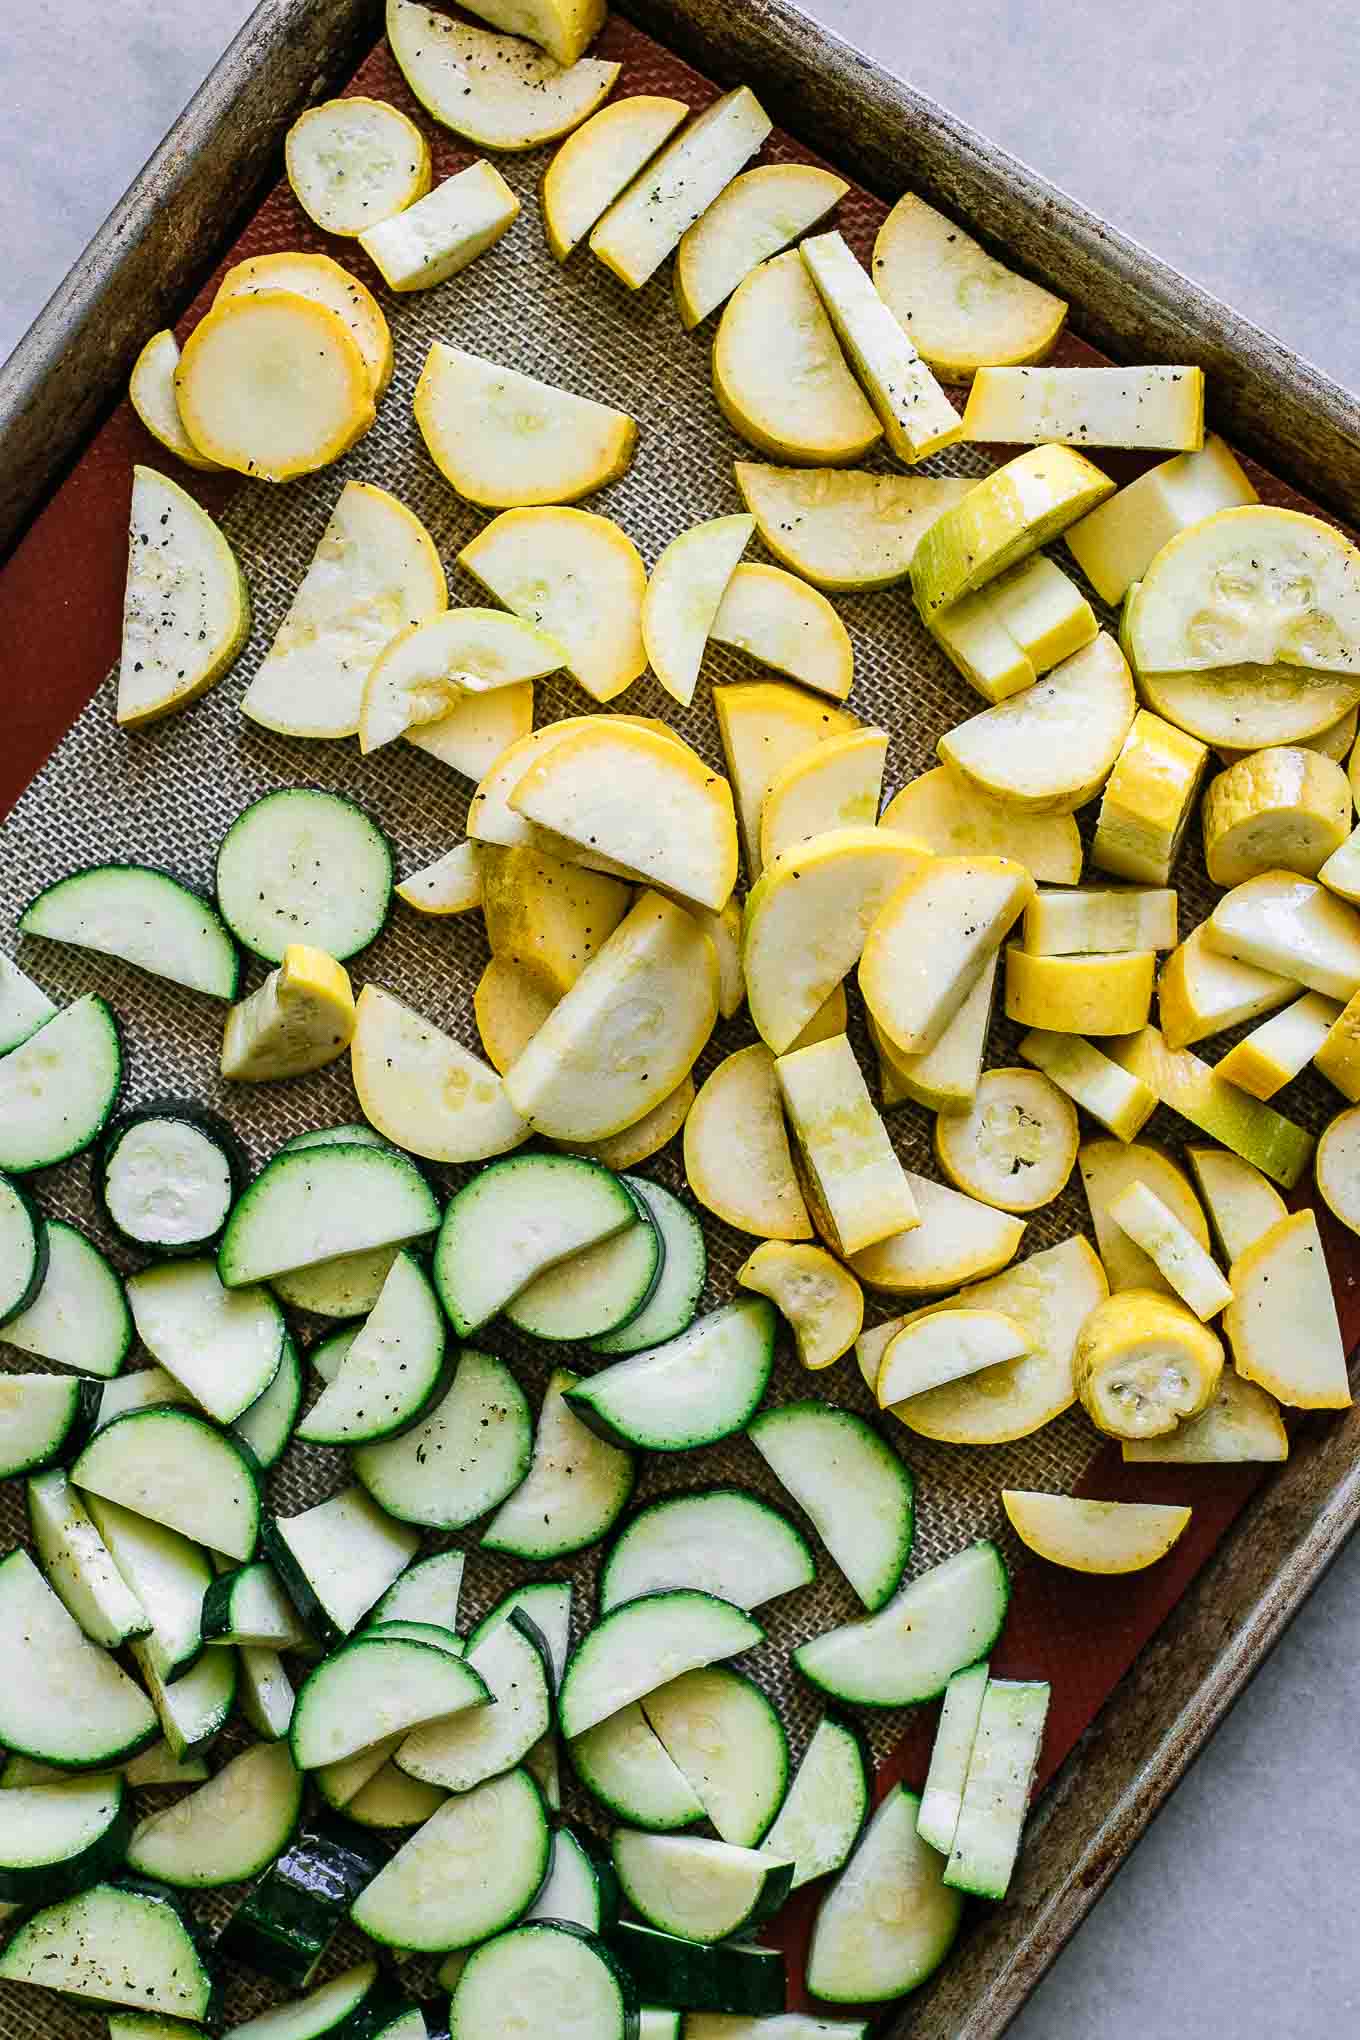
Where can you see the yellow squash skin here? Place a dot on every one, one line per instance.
(821, 1300)
(1145, 1364)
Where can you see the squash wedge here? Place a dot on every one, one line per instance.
(578, 577)
(496, 90)
(943, 814)
(684, 593)
(783, 623)
(765, 727)
(962, 308)
(564, 28)
(427, 672)
(642, 227)
(596, 163)
(424, 1090)
(957, 1240)
(737, 1158)
(186, 607)
(504, 439)
(779, 376)
(1282, 1323)
(835, 786)
(820, 1299)
(930, 942)
(1050, 749)
(842, 529)
(759, 213)
(1108, 1167)
(1094, 1537)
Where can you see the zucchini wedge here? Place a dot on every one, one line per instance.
(142, 917)
(174, 1467)
(235, 1826)
(115, 1944)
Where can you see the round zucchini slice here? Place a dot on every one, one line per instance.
(303, 866)
(167, 1176)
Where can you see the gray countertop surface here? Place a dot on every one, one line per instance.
(1225, 137)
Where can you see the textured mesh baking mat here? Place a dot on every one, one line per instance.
(166, 795)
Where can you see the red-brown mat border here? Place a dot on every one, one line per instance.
(60, 612)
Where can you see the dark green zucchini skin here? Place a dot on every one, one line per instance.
(45, 1883)
(695, 1978)
(41, 1252)
(213, 1128)
(285, 1922)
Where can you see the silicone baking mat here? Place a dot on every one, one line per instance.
(83, 791)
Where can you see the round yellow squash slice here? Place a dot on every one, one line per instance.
(1015, 1145)
(1145, 1364)
(354, 162)
(316, 276)
(274, 385)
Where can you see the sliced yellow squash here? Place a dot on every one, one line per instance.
(957, 1240)
(1148, 800)
(1108, 1167)
(821, 1300)
(1050, 749)
(831, 1017)
(1240, 1202)
(963, 309)
(1257, 1132)
(1282, 1323)
(1140, 407)
(1339, 1056)
(781, 622)
(779, 376)
(375, 573)
(548, 917)
(1052, 1294)
(479, 730)
(641, 228)
(151, 392)
(300, 1019)
(1095, 994)
(943, 1346)
(832, 787)
(1027, 620)
(273, 385)
(1015, 1144)
(1272, 1055)
(498, 91)
(943, 1078)
(1241, 1423)
(504, 439)
(1285, 809)
(510, 1005)
(444, 231)
(564, 28)
(1201, 992)
(1337, 1167)
(929, 942)
(737, 1158)
(430, 670)
(1281, 922)
(491, 819)
(859, 1182)
(186, 607)
(684, 593)
(724, 932)
(451, 885)
(629, 1030)
(424, 1090)
(945, 815)
(1116, 544)
(1246, 706)
(759, 213)
(844, 530)
(1002, 519)
(764, 727)
(576, 576)
(1121, 1103)
(1341, 872)
(641, 799)
(916, 415)
(1184, 1264)
(600, 160)
(1094, 1537)
(354, 162)
(644, 1138)
(806, 921)
(1075, 923)
(316, 276)
(1144, 1364)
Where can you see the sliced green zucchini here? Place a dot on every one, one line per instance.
(172, 1466)
(350, 1133)
(463, 1458)
(642, 1645)
(224, 1345)
(194, 1709)
(722, 1541)
(337, 1559)
(853, 1486)
(547, 1603)
(576, 1488)
(941, 1621)
(149, 2026)
(340, 1783)
(43, 1417)
(78, 1564)
(581, 1886)
(375, 1686)
(23, 1250)
(622, 1764)
(80, 1316)
(515, 1220)
(1001, 1768)
(823, 1816)
(166, 1177)
(346, 1287)
(232, 1827)
(597, 1291)
(391, 1369)
(389, 1799)
(724, 1734)
(463, 1752)
(115, 1944)
(889, 1920)
(358, 2004)
(473, 1869)
(692, 1391)
(286, 1921)
(670, 1308)
(168, 1573)
(160, 1766)
(729, 1977)
(56, 1839)
(938, 1818)
(59, 1088)
(315, 1203)
(655, 2022)
(148, 1389)
(698, 1889)
(142, 917)
(417, 1632)
(542, 1977)
(247, 1605)
(304, 866)
(267, 1424)
(63, 1701)
(426, 1592)
(265, 1691)
(327, 1356)
(24, 1006)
